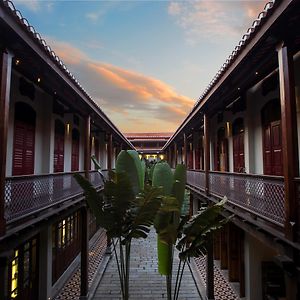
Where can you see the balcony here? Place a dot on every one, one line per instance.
(26, 196)
(260, 195)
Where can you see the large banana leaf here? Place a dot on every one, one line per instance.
(164, 253)
(128, 164)
(179, 183)
(163, 176)
(197, 229)
(139, 167)
(147, 204)
(104, 214)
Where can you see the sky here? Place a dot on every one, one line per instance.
(144, 62)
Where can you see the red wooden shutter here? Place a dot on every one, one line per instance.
(276, 144)
(75, 150)
(59, 146)
(24, 140)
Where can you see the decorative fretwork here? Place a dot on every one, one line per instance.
(25, 195)
(196, 179)
(258, 194)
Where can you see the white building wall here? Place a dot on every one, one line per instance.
(255, 103)
(255, 252)
(42, 104)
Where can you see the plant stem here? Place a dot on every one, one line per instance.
(122, 263)
(177, 278)
(180, 280)
(127, 268)
(119, 270)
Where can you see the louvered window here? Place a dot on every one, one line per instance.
(24, 139)
(59, 146)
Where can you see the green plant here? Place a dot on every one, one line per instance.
(174, 228)
(126, 208)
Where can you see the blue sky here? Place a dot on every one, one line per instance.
(144, 62)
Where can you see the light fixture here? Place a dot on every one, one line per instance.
(17, 62)
(68, 128)
(39, 79)
(256, 73)
(239, 88)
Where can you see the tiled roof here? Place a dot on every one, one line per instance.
(148, 135)
(242, 43)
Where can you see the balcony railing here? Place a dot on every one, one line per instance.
(26, 195)
(260, 195)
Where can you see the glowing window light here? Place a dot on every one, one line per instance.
(68, 128)
(140, 156)
(14, 275)
(63, 232)
(162, 156)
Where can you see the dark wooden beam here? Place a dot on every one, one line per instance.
(224, 247)
(184, 150)
(87, 146)
(175, 153)
(5, 78)
(109, 151)
(210, 268)
(233, 253)
(289, 137)
(84, 262)
(206, 152)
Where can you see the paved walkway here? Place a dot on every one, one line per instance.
(145, 281)
(71, 289)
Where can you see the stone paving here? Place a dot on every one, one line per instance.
(145, 281)
(223, 290)
(71, 289)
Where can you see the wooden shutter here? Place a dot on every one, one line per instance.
(24, 140)
(75, 150)
(59, 146)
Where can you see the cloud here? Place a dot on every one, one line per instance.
(125, 94)
(33, 5)
(214, 20)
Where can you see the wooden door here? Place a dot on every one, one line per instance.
(272, 149)
(75, 150)
(24, 140)
(238, 152)
(59, 146)
(272, 142)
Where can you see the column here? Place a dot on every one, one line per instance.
(206, 153)
(84, 261)
(87, 146)
(5, 78)
(289, 137)
(45, 261)
(4, 261)
(210, 269)
(184, 150)
(175, 154)
(109, 151)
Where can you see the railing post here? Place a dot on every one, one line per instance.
(184, 150)
(206, 152)
(289, 138)
(175, 154)
(84, 262)
(109, 167)
(109, 152)
(5, 78)
(210, 255)
(87, 146)
(210, 268)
